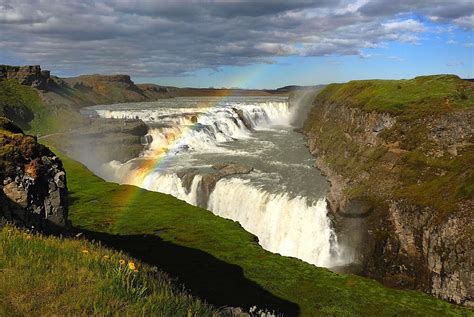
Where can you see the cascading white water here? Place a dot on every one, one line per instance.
(291, 225)
(283, 225)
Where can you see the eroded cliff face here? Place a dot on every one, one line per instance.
(400, 193)
(27, 75)
(33, 189)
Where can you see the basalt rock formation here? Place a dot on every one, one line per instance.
(210, 179)
(33, 188)
(27, 75)
(400, 155)
(99, 141)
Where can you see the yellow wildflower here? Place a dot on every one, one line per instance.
(106, 257)
(121, 262)
(131, 266)
(28, 237)
(85, 251)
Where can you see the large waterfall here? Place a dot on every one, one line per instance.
(279, 196)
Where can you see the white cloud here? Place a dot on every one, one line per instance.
(409, 25)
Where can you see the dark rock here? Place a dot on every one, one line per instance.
(356, 208)
(209, 180)
(242, 118)
(34, 191)
(8, 125)
(235, 312)
(187, 178)
(26, 75)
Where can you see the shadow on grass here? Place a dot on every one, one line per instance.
(217, 282)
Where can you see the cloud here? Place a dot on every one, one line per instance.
(437, 10)
(409, 25)
(150, 38)
(466, 22)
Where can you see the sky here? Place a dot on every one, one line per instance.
(245, 44)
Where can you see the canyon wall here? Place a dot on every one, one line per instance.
(401, 179)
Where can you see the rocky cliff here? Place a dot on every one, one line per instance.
(400, 158)
(27, 75)
(33, 189)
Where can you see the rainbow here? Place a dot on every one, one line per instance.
(158, 157)
(248, 77)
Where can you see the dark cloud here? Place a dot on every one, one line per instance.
(437, 8)
(159, 38)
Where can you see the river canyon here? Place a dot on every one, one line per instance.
(239, 157)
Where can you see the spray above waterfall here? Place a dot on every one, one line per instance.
(279, 197)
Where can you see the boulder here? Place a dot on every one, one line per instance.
(33, 186)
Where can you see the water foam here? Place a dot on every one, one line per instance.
(291, 226)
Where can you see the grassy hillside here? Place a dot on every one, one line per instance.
(220, 262)
(47, 276)
(413, 97)
(23, 105)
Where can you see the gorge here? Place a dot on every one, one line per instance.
(240, 158)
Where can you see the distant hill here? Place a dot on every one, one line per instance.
(291, 88)
(39, 102)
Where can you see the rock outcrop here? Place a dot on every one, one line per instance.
(27, 75)
(400, 182)
(33, 188)
(100, 141)
(210, 179)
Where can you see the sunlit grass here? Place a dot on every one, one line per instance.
(410, 98)
(45, 276)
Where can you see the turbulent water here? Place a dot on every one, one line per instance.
(281, 201)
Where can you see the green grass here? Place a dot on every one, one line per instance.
(197, 246)
(40, 117)
(413, 97)
(24, 98)
(47, 276)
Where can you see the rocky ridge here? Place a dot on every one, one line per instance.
(27, 75)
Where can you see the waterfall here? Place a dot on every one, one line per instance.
(290, 225)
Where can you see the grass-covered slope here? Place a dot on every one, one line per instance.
(50, 276)
(220, 262)
(414, 97)
(24, 106)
